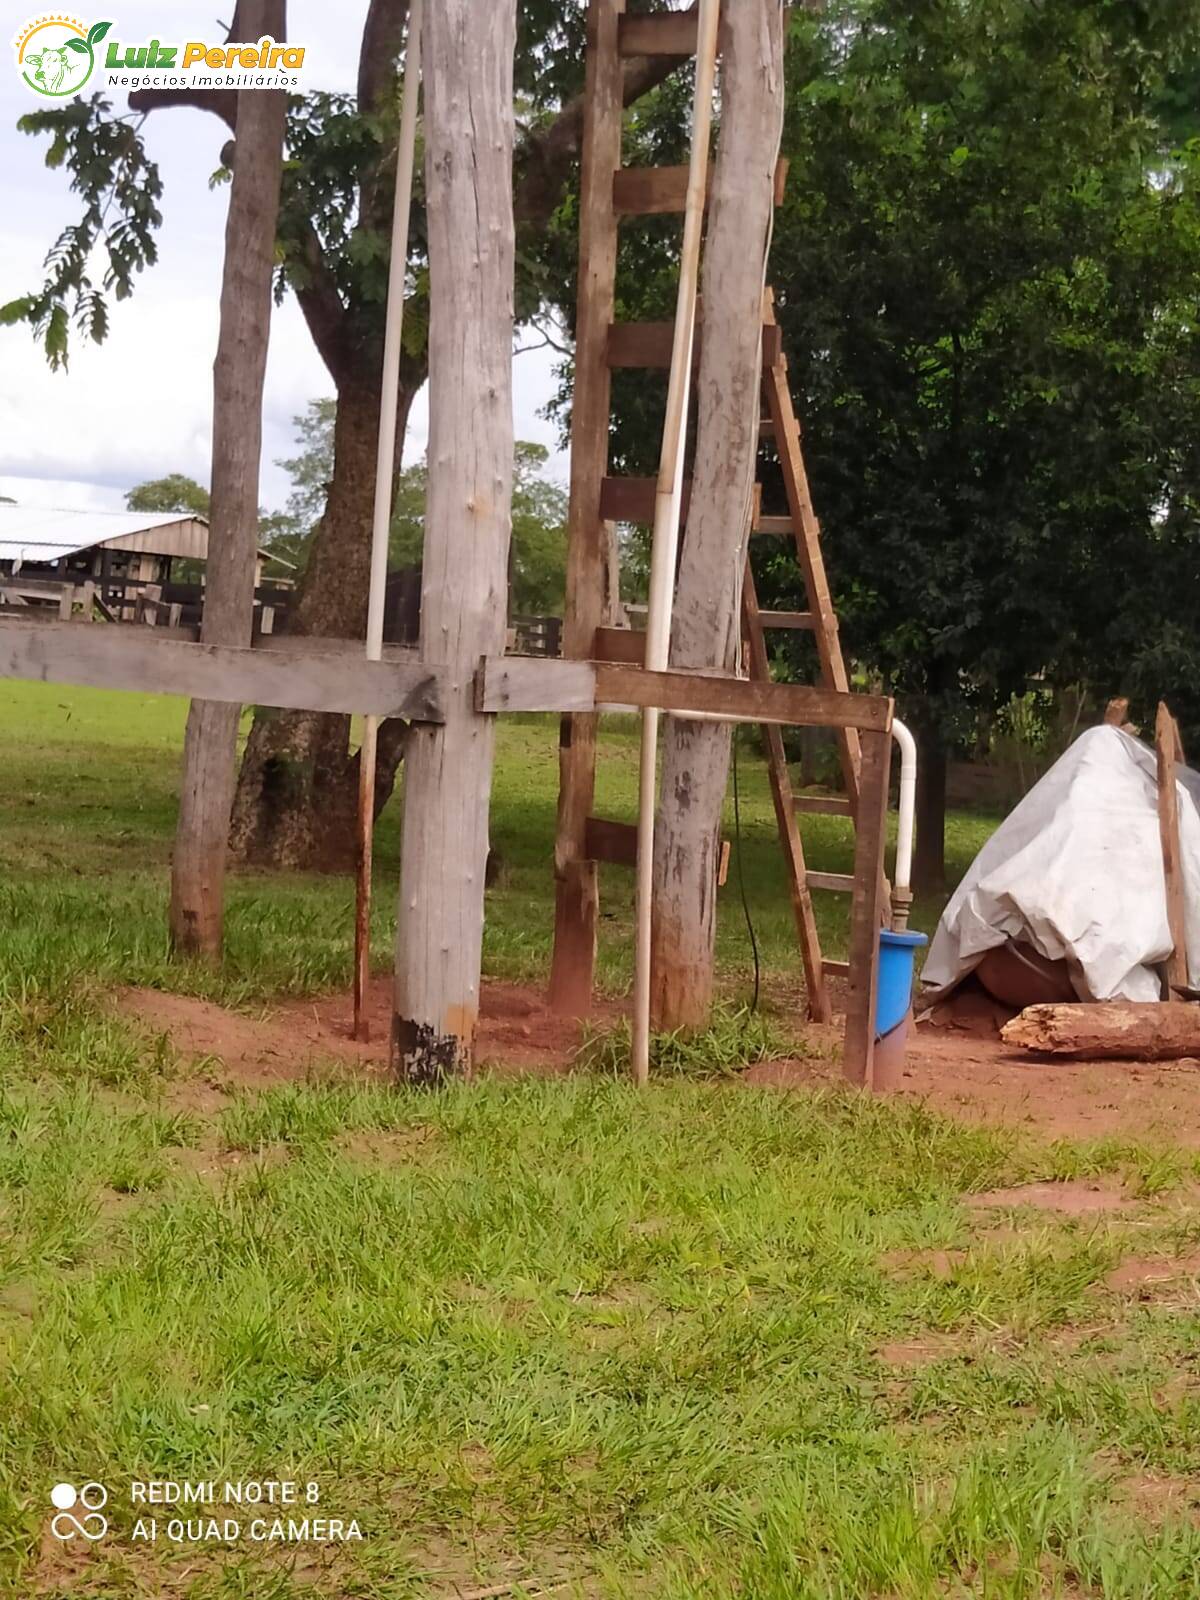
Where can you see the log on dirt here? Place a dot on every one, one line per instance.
(1117, 1030)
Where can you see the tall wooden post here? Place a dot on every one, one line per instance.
(589, 537)
(469, 123)
(707, 605)
(210, 743)
(1168, 753)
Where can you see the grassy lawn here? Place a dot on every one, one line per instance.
(541, 1336)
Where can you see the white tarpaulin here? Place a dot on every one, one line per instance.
(1076, 871)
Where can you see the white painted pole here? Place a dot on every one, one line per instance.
(385, 465)
(665, 546)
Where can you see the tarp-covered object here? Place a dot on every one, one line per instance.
(1076, 871)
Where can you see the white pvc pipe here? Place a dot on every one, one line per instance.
(393, 339)
(668, 498)
(385, 467)
(908, 805)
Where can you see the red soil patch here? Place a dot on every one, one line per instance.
(958, 1067)
(919, 1352)
(516, 1033)
(1074, 1199)
(1142, 1275)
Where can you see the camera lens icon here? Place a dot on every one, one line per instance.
(90, 1498)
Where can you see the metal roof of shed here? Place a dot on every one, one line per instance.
(36, 533)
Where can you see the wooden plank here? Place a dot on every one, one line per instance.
(795, 620)
(590, 542)
(1166, 741)
(820, 805)
(647, 345)
(778, 527)
(866, 910)
(838, 882)
(659, 191)
(632, 499)
(663, 33)
(836, 969)
(807, 934)
(620, 644)
(613, 842)
(151, 662)
(534, 683)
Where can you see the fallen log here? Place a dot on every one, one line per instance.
(1114, 1030)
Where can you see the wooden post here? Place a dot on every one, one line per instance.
(707, 606)
(589, 537)
(469, 125)
(1166, 745)
(867, 908)
(210, 743)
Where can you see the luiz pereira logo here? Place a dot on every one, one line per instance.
(78, 1511)
(57, 56)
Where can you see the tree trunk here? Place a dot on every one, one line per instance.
(469, 126)
(708, 602)
(929, 852)
(297, 794)
(210, 743)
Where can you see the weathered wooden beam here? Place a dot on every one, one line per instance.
(620, 644)
(838, 882)
(303, 676)
(1166, 741)
(777, 527)
(662, 33)
(648, 344)
(822, 805)
(613, 842)
(533, 683)
(662, 191)
(632, 499)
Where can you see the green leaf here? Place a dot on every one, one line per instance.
(77, 44)
(16, 310)
(97, 31)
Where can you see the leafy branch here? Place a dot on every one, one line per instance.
(109, 168)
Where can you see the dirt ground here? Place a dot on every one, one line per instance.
(955, 1062)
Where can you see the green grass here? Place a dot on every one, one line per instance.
(538, 1334)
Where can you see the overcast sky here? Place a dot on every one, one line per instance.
(140, 405)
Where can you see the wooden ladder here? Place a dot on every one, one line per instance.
(609, 192)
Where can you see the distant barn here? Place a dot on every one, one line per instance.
(131, 566)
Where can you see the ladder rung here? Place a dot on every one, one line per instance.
(839, 882)
(821, 805)
(632, 499)
(662, 33)
(649, 344)
(788, 619)
(781, 527)
(835, 969)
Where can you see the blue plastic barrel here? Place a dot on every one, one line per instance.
(897, 954)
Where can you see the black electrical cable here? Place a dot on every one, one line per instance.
(737, 829)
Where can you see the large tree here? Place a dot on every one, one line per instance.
(986, 269)
(335, 221)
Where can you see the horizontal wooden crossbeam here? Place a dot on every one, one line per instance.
(632, 499)
(663, 33)
(662, 191)
(649, 344)
(532, 683)
(299, 675)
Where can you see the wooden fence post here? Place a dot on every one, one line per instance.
(1166, 747)
(469, 125)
